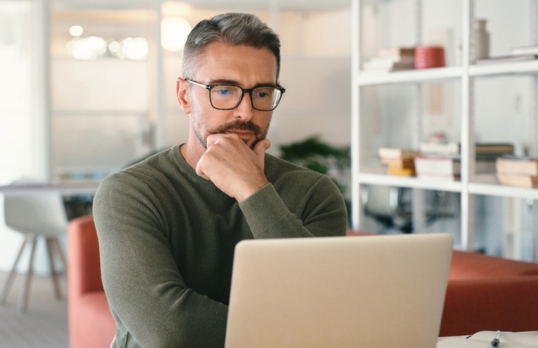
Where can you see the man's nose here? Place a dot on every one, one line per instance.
(245, 110)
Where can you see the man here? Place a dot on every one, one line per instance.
(168, 226)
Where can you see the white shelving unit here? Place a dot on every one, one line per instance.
(470, 184)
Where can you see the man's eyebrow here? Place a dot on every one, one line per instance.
(223, 82)
(236, 83)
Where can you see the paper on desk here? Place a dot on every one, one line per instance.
(483, 339)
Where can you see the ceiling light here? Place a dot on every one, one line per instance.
(135, 48)
(174, 32)
(76, 30)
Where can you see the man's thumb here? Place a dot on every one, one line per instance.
(261, 147)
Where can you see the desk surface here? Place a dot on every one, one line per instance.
(71, 188)
(523, 332)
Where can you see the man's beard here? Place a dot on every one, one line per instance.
(259, 134)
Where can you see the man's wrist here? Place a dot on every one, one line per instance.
(250, 190)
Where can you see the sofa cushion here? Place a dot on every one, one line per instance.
(467, 265)
(506, 304)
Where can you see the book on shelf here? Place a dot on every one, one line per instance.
(396, 153)
(397, 52)
(524, 50)
(517, 165)
(387, 65)
(438, 165)
(399, 171)
(391, 59)
(385, 61)
(399, 166)
(439, 177)
(505, 59)
(452, 148)
(440, 148)
(527, 181)
(404, 163)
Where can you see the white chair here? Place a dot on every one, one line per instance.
(33, 215)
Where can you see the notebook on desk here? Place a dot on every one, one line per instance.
(375, 291)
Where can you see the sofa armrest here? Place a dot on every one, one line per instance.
(84, 269)
(508, 304)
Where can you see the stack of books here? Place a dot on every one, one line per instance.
(438, 168)
(442, 161)
(399, 162)
(518, 171)
(392, 59)
(482, 150)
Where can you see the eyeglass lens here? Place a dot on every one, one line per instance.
(228, 97)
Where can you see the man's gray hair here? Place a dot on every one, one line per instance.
(232, 29)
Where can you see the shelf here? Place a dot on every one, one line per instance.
(486, 185)
(503, 191)
(530, 67)
(411, 182)
(368, 78)
(464, 77)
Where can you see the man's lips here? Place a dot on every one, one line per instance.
(240, 133)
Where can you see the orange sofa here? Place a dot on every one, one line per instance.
(488, 293)
(90, 322)
(483, 293)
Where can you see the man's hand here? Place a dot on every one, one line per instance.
(232, 166)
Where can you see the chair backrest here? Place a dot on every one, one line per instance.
(39, 212)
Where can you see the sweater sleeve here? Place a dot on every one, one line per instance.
(320, 212)
(144, 287)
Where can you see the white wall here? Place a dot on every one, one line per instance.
(17, 117)
(100, 112)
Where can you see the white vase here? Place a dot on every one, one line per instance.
(481, 39)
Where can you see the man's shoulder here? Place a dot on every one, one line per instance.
(155, 168)
(156, 161)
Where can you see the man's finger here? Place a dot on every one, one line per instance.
(200, 172)
(212, 139)
(261, 147)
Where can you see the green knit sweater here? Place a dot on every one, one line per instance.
(167, 239)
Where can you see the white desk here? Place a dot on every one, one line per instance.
(485, 343)
(71, 188)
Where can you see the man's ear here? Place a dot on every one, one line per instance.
(183, 96)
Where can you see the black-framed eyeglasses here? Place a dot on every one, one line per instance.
(228, 97)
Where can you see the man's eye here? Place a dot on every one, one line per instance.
(262, 93)
(224, 91)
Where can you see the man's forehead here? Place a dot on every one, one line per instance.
(220, 61)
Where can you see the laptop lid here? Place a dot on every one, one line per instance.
(374, 291)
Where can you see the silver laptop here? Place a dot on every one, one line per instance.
(374, 291)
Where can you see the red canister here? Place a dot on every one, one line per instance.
(429, 57)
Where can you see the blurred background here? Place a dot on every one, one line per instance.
(87, 87)
(94, 81)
